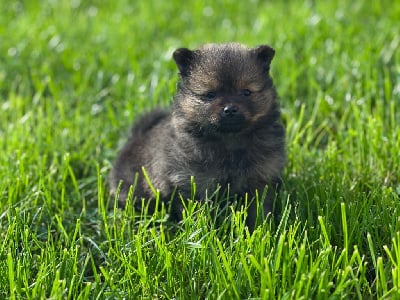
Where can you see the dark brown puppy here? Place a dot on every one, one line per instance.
(223, 129)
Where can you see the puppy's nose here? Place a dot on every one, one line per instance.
(230, 110)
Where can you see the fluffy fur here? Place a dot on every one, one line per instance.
(223, 129)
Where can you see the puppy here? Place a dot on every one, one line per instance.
(223, 129)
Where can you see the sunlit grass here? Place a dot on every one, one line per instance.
(75, 74)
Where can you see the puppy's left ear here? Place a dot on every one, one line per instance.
(264, 54)
(184, 59)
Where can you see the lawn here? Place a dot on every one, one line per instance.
(75, 74)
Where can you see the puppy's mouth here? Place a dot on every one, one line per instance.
(232, 124)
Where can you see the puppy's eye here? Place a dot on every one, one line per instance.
(210, 95)
(246, 92)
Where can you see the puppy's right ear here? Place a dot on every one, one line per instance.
(184, 59)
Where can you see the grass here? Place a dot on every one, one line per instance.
(75, 74)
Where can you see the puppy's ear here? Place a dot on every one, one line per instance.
(184, 59)
(264, 54)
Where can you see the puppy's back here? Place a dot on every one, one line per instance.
(134, 155)
(147, 122)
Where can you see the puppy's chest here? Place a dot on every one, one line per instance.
(224, 168)
(214, 165)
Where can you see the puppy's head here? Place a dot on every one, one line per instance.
(224, 88)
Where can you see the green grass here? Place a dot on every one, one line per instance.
(75, 74)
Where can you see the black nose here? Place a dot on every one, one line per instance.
(230, 110)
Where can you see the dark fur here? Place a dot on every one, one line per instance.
(216, 131)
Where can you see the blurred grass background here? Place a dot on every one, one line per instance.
(75, 74)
